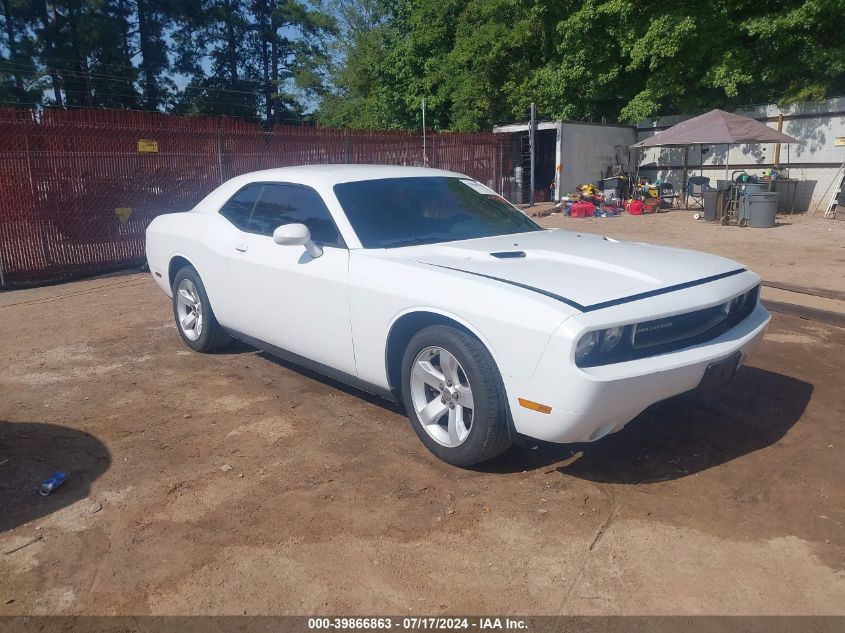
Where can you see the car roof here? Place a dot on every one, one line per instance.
(345, 173)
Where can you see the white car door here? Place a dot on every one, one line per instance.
(283, 296)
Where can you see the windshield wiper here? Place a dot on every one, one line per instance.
(414, 241)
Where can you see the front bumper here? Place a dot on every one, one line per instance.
(587, 404)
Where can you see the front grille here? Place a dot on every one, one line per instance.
(678, 327)
(689, 328)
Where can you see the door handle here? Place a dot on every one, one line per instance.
(240, 247)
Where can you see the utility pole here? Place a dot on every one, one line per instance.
(425, 154)
(532, 134)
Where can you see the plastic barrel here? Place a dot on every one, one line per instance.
(760, 209)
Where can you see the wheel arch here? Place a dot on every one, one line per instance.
(408, 323)
(176, 263)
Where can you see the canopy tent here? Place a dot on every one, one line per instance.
(716, 127)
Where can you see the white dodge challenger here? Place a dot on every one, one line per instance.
(426, 287)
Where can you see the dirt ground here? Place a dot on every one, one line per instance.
(233, 483)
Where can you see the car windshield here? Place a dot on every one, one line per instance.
(395, 212)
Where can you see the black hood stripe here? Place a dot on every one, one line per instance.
(546, 293)
(663, 291)
(603, 304)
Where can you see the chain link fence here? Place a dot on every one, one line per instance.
(78, 188)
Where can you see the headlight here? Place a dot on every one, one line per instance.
(733, 305)
(600, 345)
(586, 344)
(611, 338)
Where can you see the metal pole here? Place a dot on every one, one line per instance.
(219, 154)
(531, 144)
(777, 147)
(345, 146)
(501, 167)
(425, 155)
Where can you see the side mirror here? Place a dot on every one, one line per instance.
(294, 234)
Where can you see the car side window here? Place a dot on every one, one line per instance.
(293, 204)
(239, 207)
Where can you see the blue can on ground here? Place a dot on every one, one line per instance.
(51, 483)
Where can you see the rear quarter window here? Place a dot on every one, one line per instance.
(239, 207)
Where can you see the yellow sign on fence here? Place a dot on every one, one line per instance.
(123, 213)
(839, 141)
(147, 146)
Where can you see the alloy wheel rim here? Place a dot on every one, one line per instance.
(442, 396)
(189, 309)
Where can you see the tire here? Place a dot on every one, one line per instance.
(459, 435)
(208, 336)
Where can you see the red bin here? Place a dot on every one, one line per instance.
(583, 210)
(634, 207)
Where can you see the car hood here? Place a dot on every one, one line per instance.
(587, 271)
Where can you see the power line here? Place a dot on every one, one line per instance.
(186, 89)
(299, 38)
(297, 122)
(78, 74)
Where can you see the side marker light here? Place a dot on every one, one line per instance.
(534, 406)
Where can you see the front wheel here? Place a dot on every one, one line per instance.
(454, 396)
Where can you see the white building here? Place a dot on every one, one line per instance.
(568, 153)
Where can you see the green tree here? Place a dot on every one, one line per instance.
(19, 81)
(45, 27)
(801, 52)
(481, 62)
(85, 48)
(212, 35)
(290, 38)
(359, 94)
(152, 18)
(265, 56)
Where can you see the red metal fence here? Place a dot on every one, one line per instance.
(77, 192)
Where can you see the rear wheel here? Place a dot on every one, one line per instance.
(454, 396)
(194, 317)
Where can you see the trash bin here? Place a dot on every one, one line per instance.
(715, 201)
(759, 209)
(753, 187)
